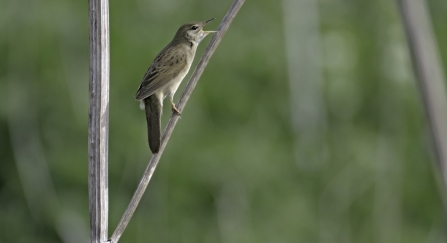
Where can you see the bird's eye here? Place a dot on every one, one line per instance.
(194, 27)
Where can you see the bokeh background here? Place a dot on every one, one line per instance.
(306, 125)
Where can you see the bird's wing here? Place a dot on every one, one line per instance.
(166, 66)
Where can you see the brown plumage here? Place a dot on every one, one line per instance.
(153, 118)
(165, 74)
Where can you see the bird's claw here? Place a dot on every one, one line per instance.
(174, 109)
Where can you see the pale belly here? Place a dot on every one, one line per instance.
(170, 88)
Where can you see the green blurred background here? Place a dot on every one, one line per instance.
(306, 125)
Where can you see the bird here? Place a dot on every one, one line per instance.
(165, 74)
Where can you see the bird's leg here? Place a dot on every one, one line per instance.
(174, 109)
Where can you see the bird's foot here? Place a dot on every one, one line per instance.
(174, 109)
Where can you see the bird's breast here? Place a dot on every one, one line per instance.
(173, 85)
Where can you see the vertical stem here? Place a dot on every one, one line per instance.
(98, 120)
(430, 76)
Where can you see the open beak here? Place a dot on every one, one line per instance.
(209, 20)
(209, 31)
(206, 22)
(204, 33)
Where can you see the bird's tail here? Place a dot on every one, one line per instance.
(153, 117)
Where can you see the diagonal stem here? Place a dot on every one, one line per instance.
(223, 27)
(430, 76)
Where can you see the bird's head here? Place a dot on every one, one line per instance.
(193, 31)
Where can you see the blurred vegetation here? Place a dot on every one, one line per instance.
(236, 168)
